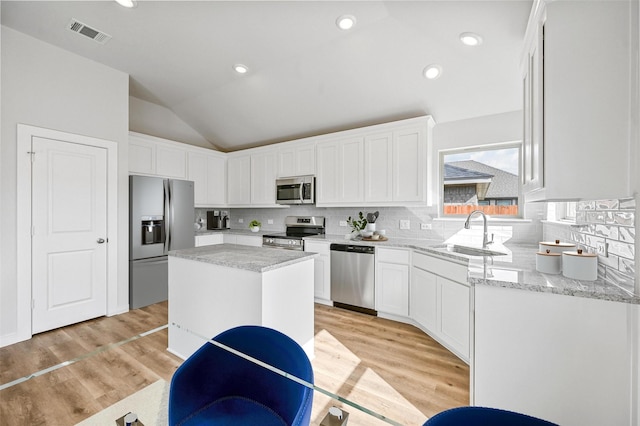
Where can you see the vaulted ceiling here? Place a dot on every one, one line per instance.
(306, 76)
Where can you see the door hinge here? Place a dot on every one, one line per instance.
(33, 155)
(33, 231)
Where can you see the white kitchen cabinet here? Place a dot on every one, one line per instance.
(441, 302)
(423, 307)
(340, 178)
(156, 157)
(297, 159)
(243, 240)
(322, 269)
(565, 359)
(389, 169)
(239, 179)
(409, 164)
(142, 155)
(378, 167)
(392, 281)
(209, 174)
(252, 177)
(249, 240)
(577, 104)
(209, 239)
(263, 177)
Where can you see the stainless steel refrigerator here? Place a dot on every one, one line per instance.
(161, 217)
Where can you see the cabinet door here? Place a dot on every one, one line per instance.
(454, 314)
(198, 174)
(142, 156)
(533, 120)
(297, 160)
(423, 299)
(248, 240)
(209, 239)
(392, 288)
(216, 180)
(378, 161)
(171, 162)
(340, 172)
(409, 165)
(263, 178)
(239, 180)
(322, 269)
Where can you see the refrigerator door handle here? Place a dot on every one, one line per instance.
(168, 217)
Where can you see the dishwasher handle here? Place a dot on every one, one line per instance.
(352, 248)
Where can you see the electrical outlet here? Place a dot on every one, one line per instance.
(269, 221)
(343, 223)
(405, 224)
(601, 248)
(241, 220)
(425, 226)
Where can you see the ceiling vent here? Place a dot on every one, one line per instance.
(95, 35)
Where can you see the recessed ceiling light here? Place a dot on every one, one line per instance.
(127, 3)
(241, 69)
(432, 71)
(470, 39)
(346, 22)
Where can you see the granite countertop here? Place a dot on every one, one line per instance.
(516, 269)
(249, 258)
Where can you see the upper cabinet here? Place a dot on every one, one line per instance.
(340, 178)
(378, 165)
(578, 74)
(297, 159)
(207, 169)
(252, 178)
(155, 156)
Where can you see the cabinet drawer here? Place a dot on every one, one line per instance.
(317, 247)
(392, 255)
(450, 270)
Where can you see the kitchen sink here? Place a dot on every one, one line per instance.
(473, 251)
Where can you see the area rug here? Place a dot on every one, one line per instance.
(150, 404)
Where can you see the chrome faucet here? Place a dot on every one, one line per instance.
(485, 235)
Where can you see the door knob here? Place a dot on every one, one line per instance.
(100, 240)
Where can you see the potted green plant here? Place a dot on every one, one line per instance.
(254, 225)
(358, 224)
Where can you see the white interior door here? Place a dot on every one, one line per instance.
(69, 232)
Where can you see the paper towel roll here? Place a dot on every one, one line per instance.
(580, 265)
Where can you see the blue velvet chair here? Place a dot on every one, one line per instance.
(483, 416)
(215, 386)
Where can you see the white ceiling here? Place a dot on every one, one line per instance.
(306, 76)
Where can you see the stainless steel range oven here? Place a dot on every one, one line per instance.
(298, 227)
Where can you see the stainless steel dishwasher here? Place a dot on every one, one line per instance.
(352, 277)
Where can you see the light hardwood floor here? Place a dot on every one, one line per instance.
(390, 368)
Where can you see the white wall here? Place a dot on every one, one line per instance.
(49, 87)
(156, 120)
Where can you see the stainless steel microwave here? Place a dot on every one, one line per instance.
(296, 190)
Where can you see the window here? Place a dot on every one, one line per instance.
(486, 179)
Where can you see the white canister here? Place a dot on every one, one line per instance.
(370, 227)
(555, 246)
(580, 265)
(548, 263)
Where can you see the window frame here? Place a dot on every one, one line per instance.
(477, 148)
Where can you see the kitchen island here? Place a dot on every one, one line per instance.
(218, 287)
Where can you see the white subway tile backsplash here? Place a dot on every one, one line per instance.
(608, 221)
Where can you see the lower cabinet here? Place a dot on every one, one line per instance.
(392, 281)
(322, 270)
(209, 239)
(440, 305)
(227, 238)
